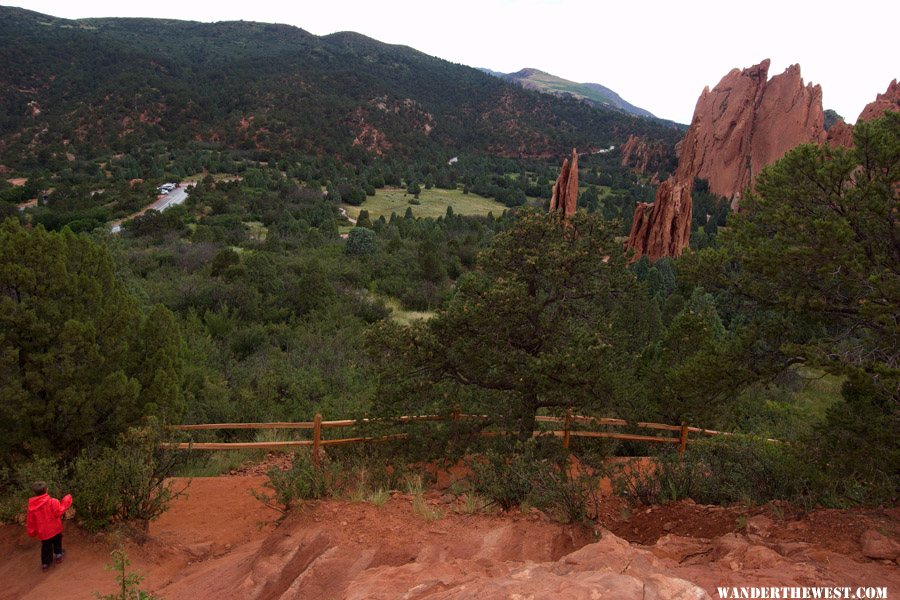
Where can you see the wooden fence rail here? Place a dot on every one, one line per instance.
(317, 425)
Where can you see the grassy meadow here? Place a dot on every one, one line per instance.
(432, 203)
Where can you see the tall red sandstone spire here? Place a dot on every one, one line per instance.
(565, 190)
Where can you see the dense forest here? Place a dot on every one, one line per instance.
(258, 300)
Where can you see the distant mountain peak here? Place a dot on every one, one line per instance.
(593, 93)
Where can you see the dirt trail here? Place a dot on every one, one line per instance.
(218, 511)
(220, 542)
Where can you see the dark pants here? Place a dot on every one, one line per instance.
(49, 548)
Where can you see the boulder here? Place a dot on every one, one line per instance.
(878, 546)
(200, 550)
(760, 525)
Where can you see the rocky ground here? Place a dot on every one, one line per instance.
(221, 542)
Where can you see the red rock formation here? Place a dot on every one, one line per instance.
(746, 123)
(742, 125)
(641, 156)
(888, 101)
(565, 190)
(840, 134)
(664, 227)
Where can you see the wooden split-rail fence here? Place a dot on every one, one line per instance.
(317, 425)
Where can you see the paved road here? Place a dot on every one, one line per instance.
(176, 196)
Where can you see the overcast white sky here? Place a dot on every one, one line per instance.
(656, 54)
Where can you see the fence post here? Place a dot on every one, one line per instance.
(317, 438)
(566, 428)
(682, 441)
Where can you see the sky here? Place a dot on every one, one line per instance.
(657, 54)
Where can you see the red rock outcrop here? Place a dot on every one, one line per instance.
(745, 123)
(840, 134)
(664, 227)
(565, 190)
(888, 101)
(641, 156)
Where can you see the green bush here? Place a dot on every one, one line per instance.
(126, 483)
(861, 427)
(726, 470)
(360, 242)
(15, 485)
(570, 497)
(504, 479)
(540, 475)
(670, 479)
(303, 481)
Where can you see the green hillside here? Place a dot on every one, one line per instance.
(80, 88)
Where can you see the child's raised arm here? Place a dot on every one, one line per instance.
(63, 505)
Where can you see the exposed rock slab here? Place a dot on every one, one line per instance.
(609, 568)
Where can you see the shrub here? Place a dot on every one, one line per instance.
(541, 476)
(127, 582)
(504, 480)
(727, 470)
(669, 479)
(360, 242)
(16, 485)
(860, 427)
(125, 483)
(572, 497)
(303, 481)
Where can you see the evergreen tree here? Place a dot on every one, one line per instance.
(531, 329)
(79, 361)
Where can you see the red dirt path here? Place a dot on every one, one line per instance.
(217, 538)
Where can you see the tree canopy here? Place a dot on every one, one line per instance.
(809, 271)
(80, 362)
(537, 325)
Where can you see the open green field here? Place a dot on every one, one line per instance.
(433, 203)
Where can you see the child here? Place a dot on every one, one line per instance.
(45, 522)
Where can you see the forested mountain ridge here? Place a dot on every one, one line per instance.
(80, 88)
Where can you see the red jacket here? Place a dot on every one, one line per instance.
(45, 515)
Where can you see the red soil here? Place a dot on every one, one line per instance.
(219, 541)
